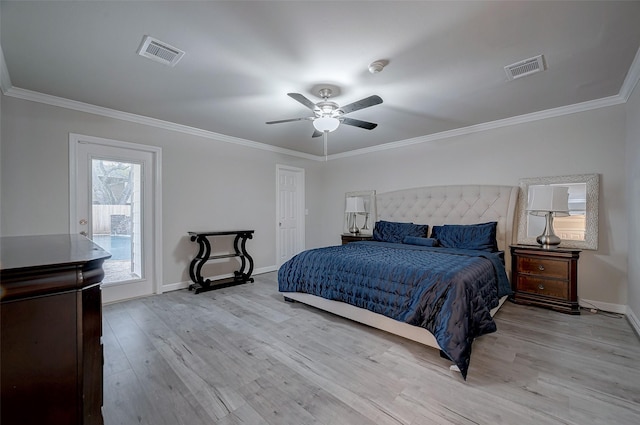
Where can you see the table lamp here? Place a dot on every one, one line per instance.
(549, 202)
(355, 205)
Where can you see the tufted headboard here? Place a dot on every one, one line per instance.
(467, 204)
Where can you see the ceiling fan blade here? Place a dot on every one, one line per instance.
(358, 123)
(289, 120)
(300, 98)
(361, 104)
(316, 133)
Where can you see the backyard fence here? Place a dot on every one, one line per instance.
(111, 219)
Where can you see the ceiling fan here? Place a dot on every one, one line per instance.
(328, 115)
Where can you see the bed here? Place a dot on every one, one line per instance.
(442, 296)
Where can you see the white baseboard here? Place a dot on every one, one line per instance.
(185, 284)
(633, 320)
(613, 308)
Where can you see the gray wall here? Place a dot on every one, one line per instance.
(633, 197)
(237, 184)
(206, 184)
(582, 143)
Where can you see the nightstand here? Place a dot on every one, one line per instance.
(545, 277)
(350, 237)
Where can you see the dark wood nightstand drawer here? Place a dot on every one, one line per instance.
(348, 237)
(544, 267)
(546, 287)
(545, 277)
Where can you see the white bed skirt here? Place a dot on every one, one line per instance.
(369, 318)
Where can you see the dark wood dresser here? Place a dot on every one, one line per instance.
(51, 329)
(545, 277)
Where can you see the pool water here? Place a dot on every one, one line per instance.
(118, 246)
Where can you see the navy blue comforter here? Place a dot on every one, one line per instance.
(449, 292)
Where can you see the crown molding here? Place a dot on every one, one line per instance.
(153, 122)
(520, 119)
(631, 80)
(5, 79)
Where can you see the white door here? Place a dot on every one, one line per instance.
(290, 212)
(112, 203)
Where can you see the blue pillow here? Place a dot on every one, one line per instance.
(480, 237)
(415, 240)
(391, 231)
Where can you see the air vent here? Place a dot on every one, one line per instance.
(159, 51)
(525, 67)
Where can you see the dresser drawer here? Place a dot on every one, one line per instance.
(549, 288)
(543, 267)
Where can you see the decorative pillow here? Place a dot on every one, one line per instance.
(391, 231)
(415, 240)
(471, 236)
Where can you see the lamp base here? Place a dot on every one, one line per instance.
(353, 228)
(548, 239)
(366, 221)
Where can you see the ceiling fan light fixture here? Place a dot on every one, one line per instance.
(327, 115)
(328, 124)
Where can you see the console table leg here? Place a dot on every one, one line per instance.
(246, 255)
(195, 269)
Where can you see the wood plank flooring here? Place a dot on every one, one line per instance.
(241, 355)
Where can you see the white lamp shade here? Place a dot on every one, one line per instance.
(544, 199)
(355, 204)
(326, 124)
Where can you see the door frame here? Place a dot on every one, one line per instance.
(300, 207)
(156, 213)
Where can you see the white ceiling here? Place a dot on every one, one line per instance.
(445, 68)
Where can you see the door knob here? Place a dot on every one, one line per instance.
(83, 233)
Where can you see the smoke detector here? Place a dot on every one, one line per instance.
(159, 51)
(525, 67)
(377, 66)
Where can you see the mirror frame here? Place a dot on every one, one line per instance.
(370, 205)
(591, 231)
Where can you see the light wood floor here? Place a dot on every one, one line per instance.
(241, 355)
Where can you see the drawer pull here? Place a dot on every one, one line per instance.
(540, 267)
(541, 286)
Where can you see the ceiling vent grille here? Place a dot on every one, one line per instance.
(159, 51)
(525, 67)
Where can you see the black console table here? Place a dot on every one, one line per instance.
(201, 284)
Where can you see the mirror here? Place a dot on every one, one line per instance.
(364, 220)
(580, 228)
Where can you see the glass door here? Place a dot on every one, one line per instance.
(116, 221)
(113, 206)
